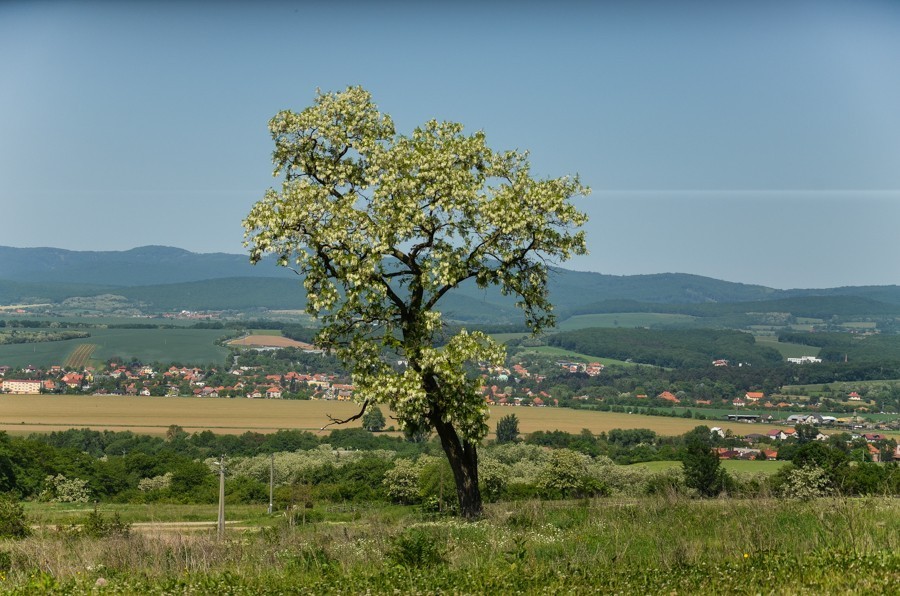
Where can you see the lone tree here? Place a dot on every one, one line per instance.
(381, 226)
(508, 429)
(373, 420)
(701, 465)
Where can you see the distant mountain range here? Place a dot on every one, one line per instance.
(143, 266)
(164, 278)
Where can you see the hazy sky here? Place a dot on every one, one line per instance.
(750, 141)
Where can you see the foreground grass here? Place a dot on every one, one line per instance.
(608, 546)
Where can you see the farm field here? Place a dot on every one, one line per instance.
(732, 465)
(268, 340)
(627, 319)
(187, 346)
(787, 350)
(23, 414)
(505, 337)
(569, 354)
(846, 386)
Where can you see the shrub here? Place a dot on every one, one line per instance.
(437, 486)
(402, 481)
(161, 482)
(806, 483)
(13, 523)
(493, 476)
(60, 489)
(415, 548)
(97, 526)
(566, 474)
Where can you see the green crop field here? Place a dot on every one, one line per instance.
(788, 350)
(505, 337)
(569, 354)
(187, 346)
(732, 465)
(841, 386)
(627, 319)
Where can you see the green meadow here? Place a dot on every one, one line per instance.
(627, 319)
(651, 545)
(731, 465)
(187, 346)
(787, 350)
(569, 354)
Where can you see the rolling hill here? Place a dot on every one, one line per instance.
(160, 278)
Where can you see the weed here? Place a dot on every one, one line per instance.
(416, 548)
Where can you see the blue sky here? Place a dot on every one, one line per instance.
(750, 141)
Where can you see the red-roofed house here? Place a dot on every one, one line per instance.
(781, 435)
(73, 380)
(668, 396)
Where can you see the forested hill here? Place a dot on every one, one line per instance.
(165, 278)
(143, 266)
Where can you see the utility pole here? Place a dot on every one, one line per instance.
(271, 479)
(221, 527)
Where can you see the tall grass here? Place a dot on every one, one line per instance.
(658, 544)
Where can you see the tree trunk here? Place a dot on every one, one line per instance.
(463, 458)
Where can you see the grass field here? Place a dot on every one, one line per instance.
(787, 350)
(187, 346)
(51, 514)
(627, 319)
(570, 355)
(505, 337)
(22, 414)
(604, 546)
(732, 465)
(840, 386)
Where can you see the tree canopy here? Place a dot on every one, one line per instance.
(381, 226)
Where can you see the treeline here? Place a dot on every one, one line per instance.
(38, 324)
(817, 307)
(32, 337)
(839, 347)
(687, 348)
(125, 467)
(356, 465)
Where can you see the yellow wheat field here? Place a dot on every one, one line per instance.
(22, 414)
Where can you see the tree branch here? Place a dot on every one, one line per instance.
(350, 419)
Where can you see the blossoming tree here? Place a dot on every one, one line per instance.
(381, 226)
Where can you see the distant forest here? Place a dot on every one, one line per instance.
(681, 348)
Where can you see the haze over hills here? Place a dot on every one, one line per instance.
(164, 278)
(142, 266)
